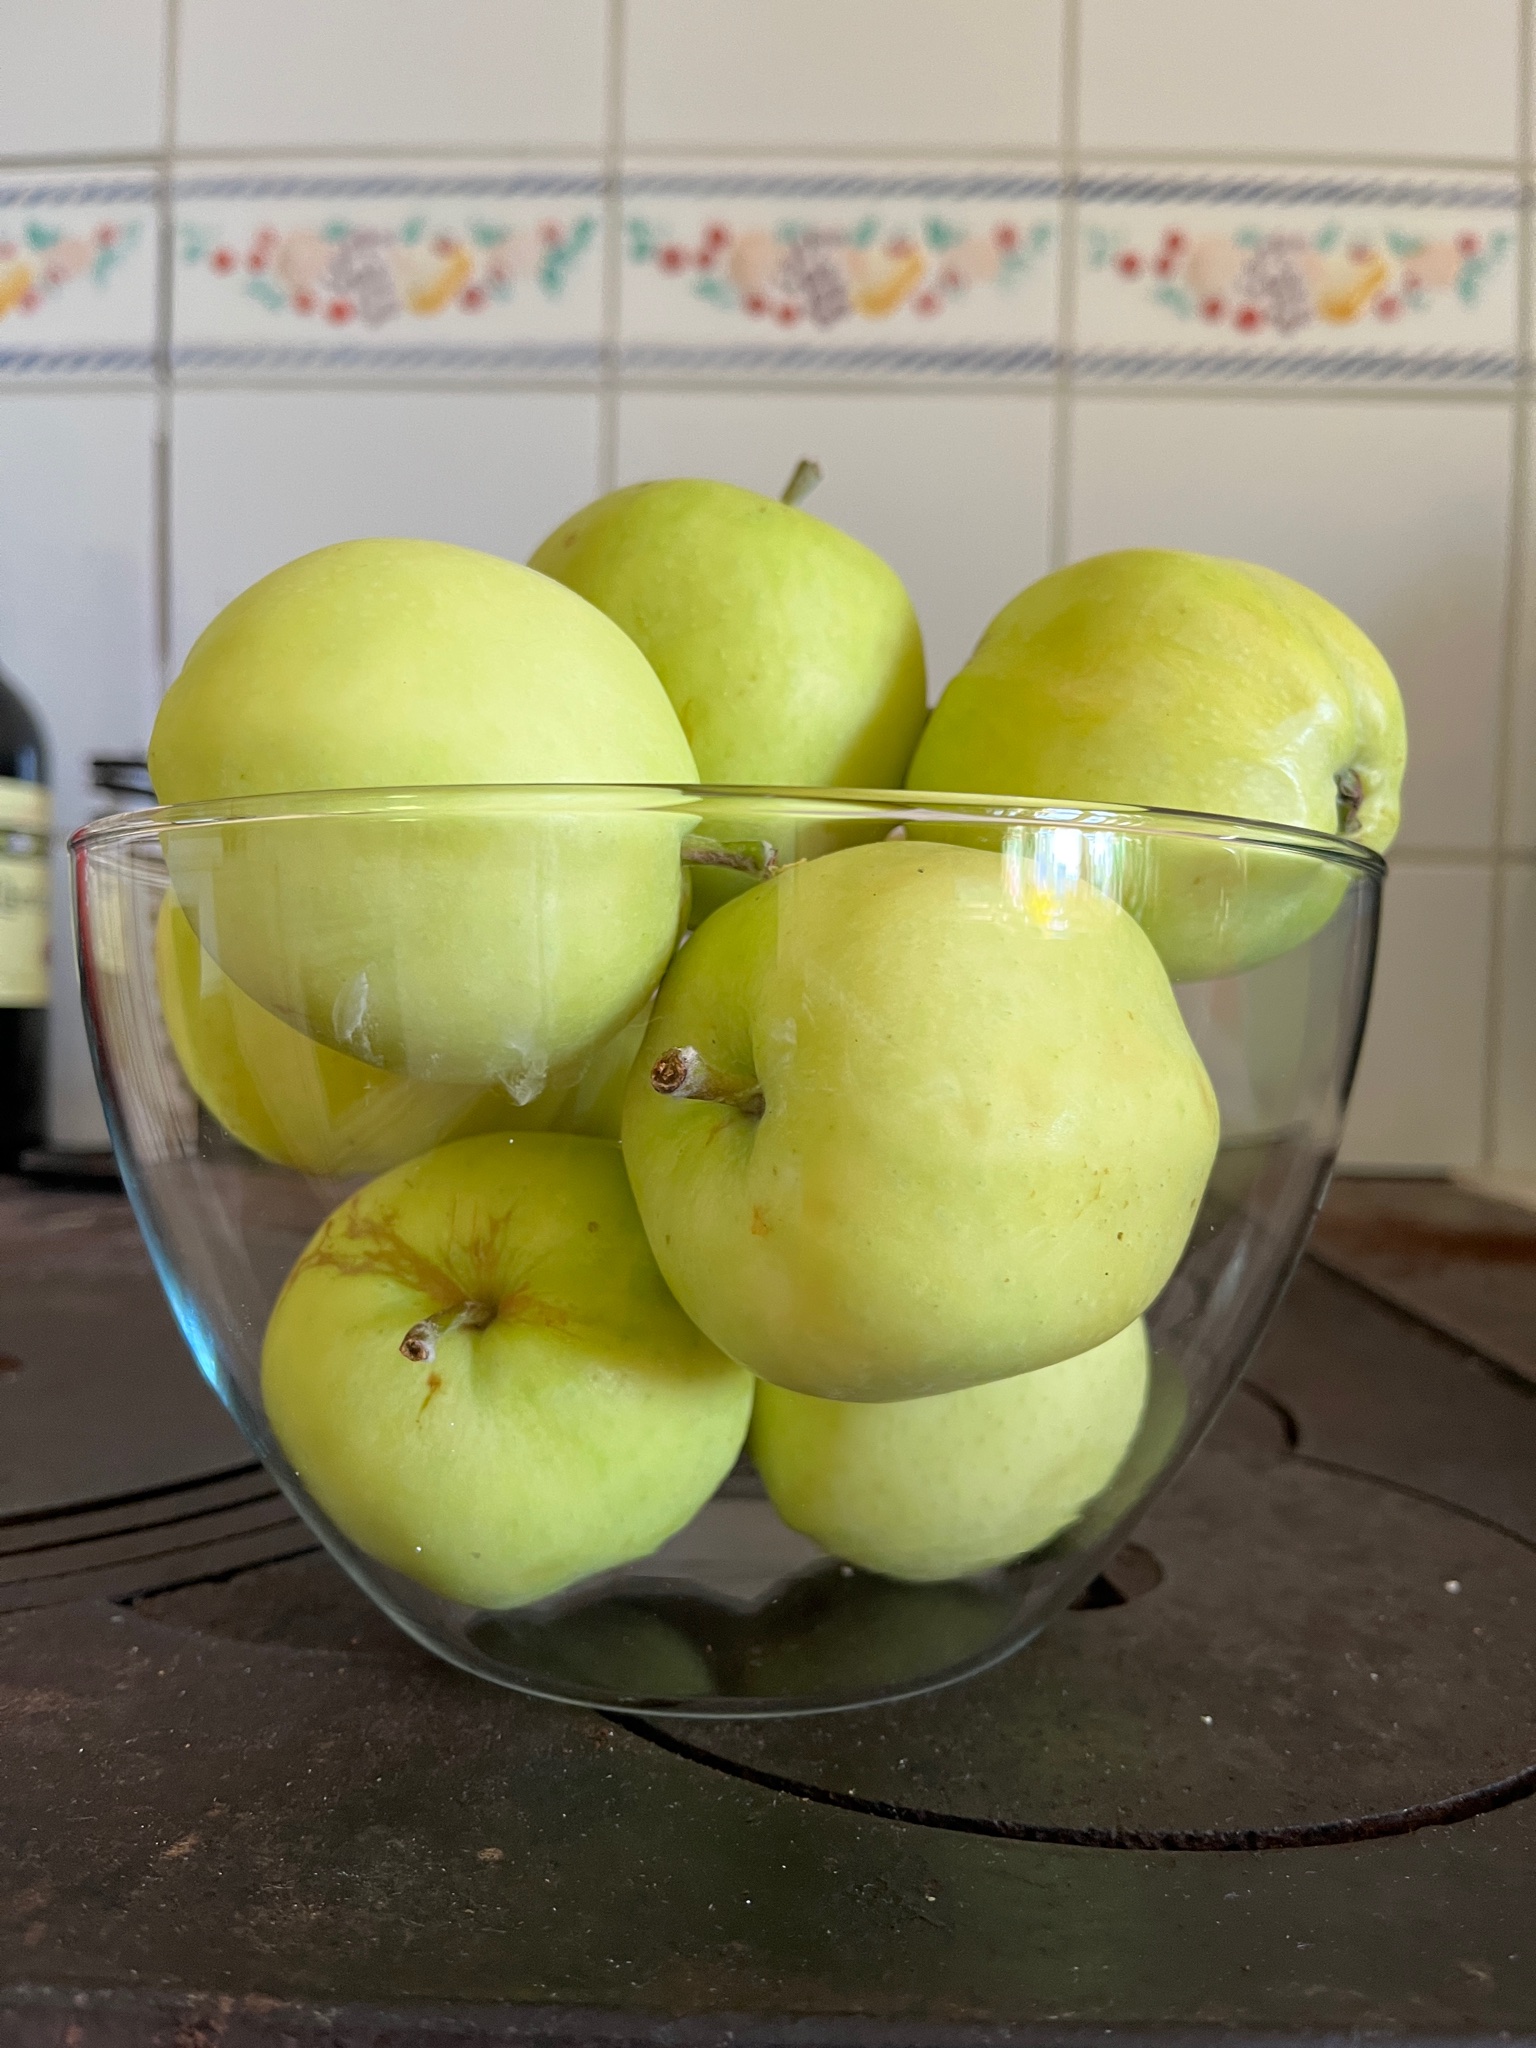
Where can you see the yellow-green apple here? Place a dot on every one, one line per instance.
(459, 939)
(908, 1118)
(955, 1483)
(1151, 677)
(285, 1096)
(478, 1373)
(790, 650)
(297, 1103)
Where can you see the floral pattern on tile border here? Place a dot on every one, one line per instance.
(850, 272)
(1270, 277)
(77, 276)
(387, 271)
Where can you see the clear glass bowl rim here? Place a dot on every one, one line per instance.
(407, 801)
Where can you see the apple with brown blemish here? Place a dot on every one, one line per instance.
(477, 1372)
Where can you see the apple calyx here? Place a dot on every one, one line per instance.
(1351, 797)
(419, 1344)
(804, 479)
(756, 857)
(683, 1073)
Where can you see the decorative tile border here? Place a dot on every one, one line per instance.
(77, 276)
(842, 272)
(871, 271)
(388, 270)
(1264, 277)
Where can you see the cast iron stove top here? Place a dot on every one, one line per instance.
(1271, 1776)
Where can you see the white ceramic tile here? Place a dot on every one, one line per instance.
(1514, 1127)
(1395, 510)
(80, 77)
(389, 266)
(951, 489)
(1418, 1096)
(77, 274)
(1356, 77)
(77, 632)
(260, 477)
(857, 74)
(849, 269)
(454, 74)
(1287, 275)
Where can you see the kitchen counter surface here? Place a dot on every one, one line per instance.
(1275, 1779)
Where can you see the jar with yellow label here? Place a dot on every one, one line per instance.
(25, 819)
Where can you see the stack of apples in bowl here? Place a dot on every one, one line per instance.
(713, 1187)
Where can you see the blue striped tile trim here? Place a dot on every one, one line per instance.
(78, 192)
(1039, 359)
(75, 362)
(838, 185)
(583, 358)
(1150, 188)
(1362, 366)
(575, 184)
(572, 357)
(973, 360)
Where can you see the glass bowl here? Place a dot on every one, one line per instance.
(985, 1134)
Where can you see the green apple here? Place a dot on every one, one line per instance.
(1151, 677)
(907, 1120)
(957, 1483)
(286, 1097)
(594, 1108)
(452, 939)
(790, 651)
(477, 1372)
(297, 1103)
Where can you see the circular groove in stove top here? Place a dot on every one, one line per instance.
(1331, 1657)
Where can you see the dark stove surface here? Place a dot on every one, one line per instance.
(99, 1397)
(1277, 1782)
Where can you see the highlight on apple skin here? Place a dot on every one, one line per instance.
(955, 1483)
(1154, 677)
(476, 1370)
(903, 1123)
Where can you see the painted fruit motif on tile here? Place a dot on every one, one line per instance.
(850, 269)
(386, 265)
(338, 271)
(823, 275)
(1250, 279)
(39, 258)
(77, 275)
(1333, 275)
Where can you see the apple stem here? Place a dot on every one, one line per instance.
(684, 1074)
(807, 475)
(419, 1344)
(756, 857)
(1351, 797)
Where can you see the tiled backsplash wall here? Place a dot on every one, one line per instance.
(1031, 278)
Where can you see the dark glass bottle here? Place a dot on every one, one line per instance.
(25, 817)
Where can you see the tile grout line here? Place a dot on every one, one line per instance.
(613, 249)
(1516, 629)
(796, 153)
(164, 333)
(1058, 518)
